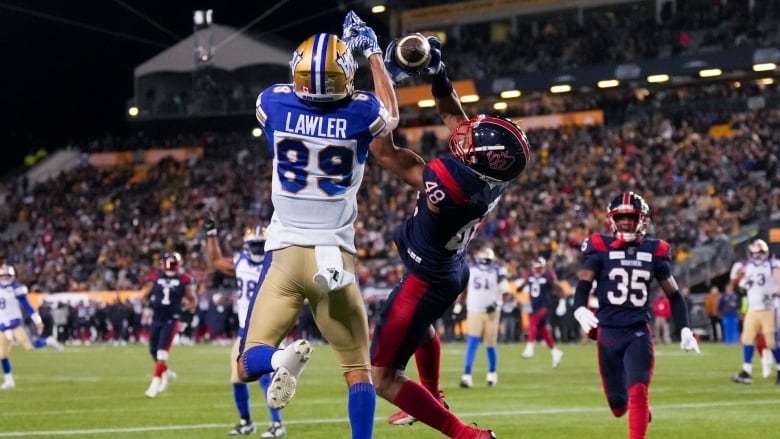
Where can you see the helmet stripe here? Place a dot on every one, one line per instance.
(514, 130)
(627, 198)
(318, 63)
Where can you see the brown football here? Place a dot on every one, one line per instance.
(413, 52)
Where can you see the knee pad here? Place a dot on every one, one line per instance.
(162, 355)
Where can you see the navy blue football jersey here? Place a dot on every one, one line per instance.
(540, 289)
(624, 272)
(432, 244)
(167, 293)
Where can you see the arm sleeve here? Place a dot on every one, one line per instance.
(22, 297)
(679, 311)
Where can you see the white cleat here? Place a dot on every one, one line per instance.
(767, 361)
(153, 389)
(529, 351)
(492, 379)
(8, 384)
(557, 356)
(275, 430)
(52, 342)
(466, 382)
(166, 379)
(285, 379)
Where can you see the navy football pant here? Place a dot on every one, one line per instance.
(626, 358)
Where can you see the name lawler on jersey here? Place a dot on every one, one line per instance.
(312, 125)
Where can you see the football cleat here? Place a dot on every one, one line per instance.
(243, 428)
(466, 382)
(529, 351)
(284, 381)
(275, 430)
(166, 379)
(153, 389)
(767, 361)
(8, 383)
(476, 433)
(742, 377)
(53, 343)
(492, 379)
(557, 356)
(403, 418)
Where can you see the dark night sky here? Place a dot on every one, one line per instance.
(67, 65)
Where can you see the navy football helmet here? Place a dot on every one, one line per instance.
(254, 244)
(171, 263)
(494, 148)
(628, 215)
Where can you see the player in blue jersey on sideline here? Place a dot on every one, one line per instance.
(247, 267)
(320, 132)
(456, 193)
(13, 297)
(623, 265)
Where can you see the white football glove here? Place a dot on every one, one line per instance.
(360, 37)
(586, 319)
(688, 341)
(458, 308)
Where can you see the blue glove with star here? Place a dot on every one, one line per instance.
(359, 36)
(397, 74)
(435, 65)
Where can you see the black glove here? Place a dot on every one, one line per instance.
(491, 308)
(210, 225)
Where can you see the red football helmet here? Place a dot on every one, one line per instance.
(628, 216)
(171, 263)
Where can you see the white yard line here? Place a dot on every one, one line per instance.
(548, 411)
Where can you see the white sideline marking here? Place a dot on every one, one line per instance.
(548, 411)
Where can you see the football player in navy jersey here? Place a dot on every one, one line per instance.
(167, 291)
(623, 264)
(542, 285)
(320, 133)
(457, 192)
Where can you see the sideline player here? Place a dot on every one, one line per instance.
(167, 290)
(762, 276)
(247, 267)
(487, 282)
(320, 131)
(624, 264)
(456, 193)
(13, 297)
(542, 285)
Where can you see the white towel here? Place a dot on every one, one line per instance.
(330, 269)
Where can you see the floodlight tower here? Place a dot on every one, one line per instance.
(203, 40)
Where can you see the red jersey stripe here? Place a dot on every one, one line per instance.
(452, 187)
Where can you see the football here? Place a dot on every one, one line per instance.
(413, 52)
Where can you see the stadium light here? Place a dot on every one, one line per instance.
(500, 106)
(509, 94)
(467, 99)
(608, 83)
(710, 73)
(378, 9)
(132, 111)
(426, 103)
(257, 132)
(764, 67)
(562, 88)
(766, 81)
(658, 78)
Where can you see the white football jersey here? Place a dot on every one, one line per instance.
(248, 283)
(319, 158)
(761, 284)
(485, 286)
(10, 309)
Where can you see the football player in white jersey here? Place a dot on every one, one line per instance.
(13, 297)
(487, 282)
(320, 132)
(763, 285)
(247, 267)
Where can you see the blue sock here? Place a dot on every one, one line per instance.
(265, 381)
(6, 365)
(492, 358)
(257, 361)
(362, 408)
(472, 344)
(747, 353)
(776, 354)
(39, 343)
(241, 397)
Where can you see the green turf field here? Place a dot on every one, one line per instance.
(98, 392)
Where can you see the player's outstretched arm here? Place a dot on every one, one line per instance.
(214, 257)
(447, 101)
(404, 163)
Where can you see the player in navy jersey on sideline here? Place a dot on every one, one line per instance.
(624, 264)
(168, 289)
(320, 133)
(457, 191)
(13, 297)
(542, 285)
(487, 282)
(248, 269)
